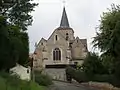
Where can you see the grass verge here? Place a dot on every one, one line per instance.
(8, 82)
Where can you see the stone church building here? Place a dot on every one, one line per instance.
(60, 49)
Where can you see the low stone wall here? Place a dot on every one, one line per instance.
(55, 73)
(101, 86)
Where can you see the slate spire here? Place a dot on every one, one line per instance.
(64, 20)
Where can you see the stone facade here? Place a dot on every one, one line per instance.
(61, 48)
(72, 50)
(57, 74)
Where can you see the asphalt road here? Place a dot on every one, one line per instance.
(68, 86)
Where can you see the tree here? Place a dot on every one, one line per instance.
(18, 12)
(108, 36)
(20, 44)
(108, 63)
(6, 57)
(14, 42)
(93, 64)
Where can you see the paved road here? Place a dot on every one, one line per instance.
(68, 86)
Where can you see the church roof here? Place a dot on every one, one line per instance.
(84, 41)
(64, 20)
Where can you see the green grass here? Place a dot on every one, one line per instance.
(2, 83)
(13, 83)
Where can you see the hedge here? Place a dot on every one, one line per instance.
(80, 76)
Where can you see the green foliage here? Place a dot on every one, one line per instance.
(42, 79)
(108, 63)
(18, 12)
(108, 36)
(14, 46)
(80, 76)
(14, 19)
(8, 82)
(76, 74)
(6, 54)
(117, 70)
(69, 73)
(20, 44)
(93, 64)
(106, 78)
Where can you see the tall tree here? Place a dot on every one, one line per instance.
(18, 12)
(108, 36)
(14, 19)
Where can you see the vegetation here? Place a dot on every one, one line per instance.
(78, 75)
(93, 65)
(42, 79)
(108, 37)
(14, 19)
(8, 82)
(106, 67)
(81, 76)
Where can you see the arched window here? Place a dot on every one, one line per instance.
(56, 54)
(56, 38)
(77, 41)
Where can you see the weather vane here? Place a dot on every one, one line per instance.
(64, 2)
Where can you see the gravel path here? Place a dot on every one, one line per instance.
(67, 86)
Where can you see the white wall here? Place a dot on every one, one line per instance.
(21, 72)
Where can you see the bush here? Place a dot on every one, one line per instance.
(76, 74)
(8, 82)
(107, 78)
(42, 79)
(12, 80)
(93, 64)
(80, 76)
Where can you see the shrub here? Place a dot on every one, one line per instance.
(42, 79)
(76, 74)
(80, 76)
(83, 77)
(8, 82)
(93, 64)
(107, 78)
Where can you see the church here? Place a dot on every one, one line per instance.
(60, 49)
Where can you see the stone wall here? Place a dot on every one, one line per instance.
(58, 74)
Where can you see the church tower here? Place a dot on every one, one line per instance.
(65, 28)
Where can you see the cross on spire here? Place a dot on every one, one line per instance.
(64, 23)
(64, 2)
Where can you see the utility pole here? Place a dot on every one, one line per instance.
(32, 70)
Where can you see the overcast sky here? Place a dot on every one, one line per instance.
(83, 16)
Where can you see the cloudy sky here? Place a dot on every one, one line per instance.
(83, 15)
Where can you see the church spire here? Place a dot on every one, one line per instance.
(64, 20)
